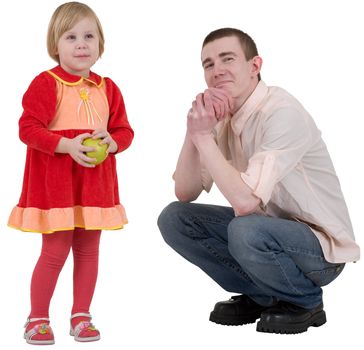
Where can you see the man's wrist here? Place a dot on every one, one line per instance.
(199, 140)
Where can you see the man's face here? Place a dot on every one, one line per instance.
(226, 67)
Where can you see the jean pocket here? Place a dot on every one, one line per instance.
(325, 276)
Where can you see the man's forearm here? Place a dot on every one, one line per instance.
(188, 183)
(226, 177)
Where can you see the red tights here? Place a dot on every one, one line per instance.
(55, 250)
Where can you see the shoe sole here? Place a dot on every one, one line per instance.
(84, 339)
(233, 320)
(39, 342)
(316, 320)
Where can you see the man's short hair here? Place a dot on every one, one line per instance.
(247, 43)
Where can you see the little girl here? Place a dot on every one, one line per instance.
(65, 196)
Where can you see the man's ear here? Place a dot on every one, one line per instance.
(257, 62)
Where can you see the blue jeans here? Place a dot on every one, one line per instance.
(266, 258)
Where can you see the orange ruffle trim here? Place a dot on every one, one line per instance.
(65, 219)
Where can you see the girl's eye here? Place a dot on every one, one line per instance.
(71, 37)
(89, 36)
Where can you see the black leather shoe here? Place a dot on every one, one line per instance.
(286, 318)
(237, 311)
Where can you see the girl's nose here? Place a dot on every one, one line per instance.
(81, 44)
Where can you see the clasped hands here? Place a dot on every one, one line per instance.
(76, 149)
(209, 107)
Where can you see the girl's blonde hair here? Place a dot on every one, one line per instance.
(63, 19)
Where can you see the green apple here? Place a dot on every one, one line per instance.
(100, 153)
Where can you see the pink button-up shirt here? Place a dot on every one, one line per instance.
(275, 144)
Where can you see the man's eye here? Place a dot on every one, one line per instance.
(228, 59)
(208, 66)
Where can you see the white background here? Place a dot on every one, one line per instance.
(147, 296)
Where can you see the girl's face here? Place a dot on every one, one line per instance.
(78, 48)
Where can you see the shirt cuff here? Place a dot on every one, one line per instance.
(261, 177)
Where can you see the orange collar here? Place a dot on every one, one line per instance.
(69, 79)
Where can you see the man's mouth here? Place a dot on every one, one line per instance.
(222, 83)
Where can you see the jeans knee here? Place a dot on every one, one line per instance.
(169, 219)
(244, 239)
(167, 216)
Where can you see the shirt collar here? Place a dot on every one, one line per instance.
(70, 79)
(240, 117)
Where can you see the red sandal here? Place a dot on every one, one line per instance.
(85, 331)
(43, 329)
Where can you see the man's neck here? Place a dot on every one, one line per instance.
(240, 100)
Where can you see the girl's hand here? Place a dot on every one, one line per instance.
(106, 139)
(76, 149)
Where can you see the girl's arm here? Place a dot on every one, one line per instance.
(39, 103)
(118, 126)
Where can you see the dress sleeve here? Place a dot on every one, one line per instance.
(118, 126)
(39, 104)
(287, 135)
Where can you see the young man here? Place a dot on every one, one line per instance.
(288, 231)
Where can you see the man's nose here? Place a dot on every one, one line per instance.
(218, 69)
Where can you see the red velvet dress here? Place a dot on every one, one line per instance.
(58, 194)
